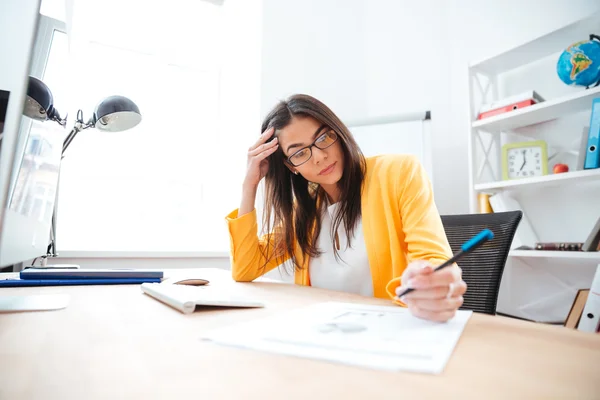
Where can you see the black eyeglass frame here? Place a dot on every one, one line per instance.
(328, 131)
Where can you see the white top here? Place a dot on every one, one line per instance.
(351, 272)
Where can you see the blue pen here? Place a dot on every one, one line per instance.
(466, 248)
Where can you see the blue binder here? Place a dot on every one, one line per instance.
(592, 155)
(89, 273)
(74, 282)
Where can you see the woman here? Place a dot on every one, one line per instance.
(367, 226)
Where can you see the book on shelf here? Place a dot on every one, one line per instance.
(556, 246)
(582, 149)
(592, 243)
(576, 311)
(590, 317)
(592, 156)
(559, 246)
(484, 203)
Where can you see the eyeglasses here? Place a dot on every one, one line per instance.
(305, 153)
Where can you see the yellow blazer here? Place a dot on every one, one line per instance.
(400, 223)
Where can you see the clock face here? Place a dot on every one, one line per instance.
(525, 162)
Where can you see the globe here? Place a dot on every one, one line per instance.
(579, 64)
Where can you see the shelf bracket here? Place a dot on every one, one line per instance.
(486, 160)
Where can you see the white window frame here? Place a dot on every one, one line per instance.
(43, 42)
(37, 68)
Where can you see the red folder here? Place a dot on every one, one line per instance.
(508, 108)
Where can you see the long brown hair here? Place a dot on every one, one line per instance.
(292, 204)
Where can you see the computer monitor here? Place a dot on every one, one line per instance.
(30, 153)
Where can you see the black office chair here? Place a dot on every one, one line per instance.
(482, 269)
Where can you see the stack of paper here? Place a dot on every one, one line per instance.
(379, 337)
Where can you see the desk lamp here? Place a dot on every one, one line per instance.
(113, 114)
(39, 104)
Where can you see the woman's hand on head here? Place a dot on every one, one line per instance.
(437, 295)
(258, 165)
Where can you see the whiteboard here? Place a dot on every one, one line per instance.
(411, 137)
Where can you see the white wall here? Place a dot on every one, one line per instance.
(315, 47)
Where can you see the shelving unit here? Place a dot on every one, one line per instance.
(549, 203)
(483, 81)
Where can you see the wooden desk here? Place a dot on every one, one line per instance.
(115, 342)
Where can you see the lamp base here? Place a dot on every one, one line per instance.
(56, 266)
(45, 265)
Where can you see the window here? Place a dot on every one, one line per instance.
(167, 184)
(54, 9)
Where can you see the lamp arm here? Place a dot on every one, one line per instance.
(78, 127)
(53, 115)
(51, 250)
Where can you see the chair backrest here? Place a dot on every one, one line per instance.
(482, 269)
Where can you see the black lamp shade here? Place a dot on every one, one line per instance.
(39, 104)
(116, 113)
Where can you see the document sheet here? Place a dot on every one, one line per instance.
(379, 337)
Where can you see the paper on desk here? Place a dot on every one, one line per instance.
(379, 337)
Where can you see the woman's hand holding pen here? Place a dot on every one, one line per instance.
(438, 295)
